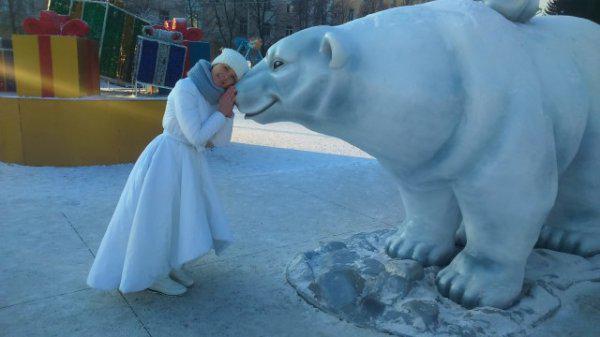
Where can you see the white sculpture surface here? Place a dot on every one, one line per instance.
(483, 121)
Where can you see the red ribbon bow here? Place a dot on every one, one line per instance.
(51, 23)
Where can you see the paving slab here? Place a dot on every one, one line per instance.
(81, 313)
(40, 255)
(367, 189)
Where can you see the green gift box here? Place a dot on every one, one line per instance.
(114, 29)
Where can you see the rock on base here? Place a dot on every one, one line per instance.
(356, 281)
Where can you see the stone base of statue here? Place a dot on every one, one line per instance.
(356, 281)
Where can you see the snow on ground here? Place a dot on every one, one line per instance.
(285, 190)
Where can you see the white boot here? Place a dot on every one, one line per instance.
(167, 286)
(183, 277)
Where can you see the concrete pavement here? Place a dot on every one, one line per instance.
(284, 188)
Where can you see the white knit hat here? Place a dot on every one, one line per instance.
(235, 60)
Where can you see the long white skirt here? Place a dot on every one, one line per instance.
(168, 214)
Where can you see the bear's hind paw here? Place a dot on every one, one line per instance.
(568, 241)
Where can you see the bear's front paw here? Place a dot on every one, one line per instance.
(475, 282)
(427, 251)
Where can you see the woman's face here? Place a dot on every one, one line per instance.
(223, 75)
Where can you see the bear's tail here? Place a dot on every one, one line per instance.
(515, 10)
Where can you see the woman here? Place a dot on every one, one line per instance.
(169, 212)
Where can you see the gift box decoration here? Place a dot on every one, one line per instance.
(7, 76)
(191, 37)
(114, 29)
(180, 25)
(118, 3)
(55, 66)
(196, 51)
(163, 35)
(60, 6)
(159, 63)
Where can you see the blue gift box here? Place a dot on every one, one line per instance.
(159, 63)
(197, 50)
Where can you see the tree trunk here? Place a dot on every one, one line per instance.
(219, 23)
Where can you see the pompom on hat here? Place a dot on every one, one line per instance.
(235, 60)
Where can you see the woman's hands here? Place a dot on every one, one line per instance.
(226, 102)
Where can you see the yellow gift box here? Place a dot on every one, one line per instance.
(55, 66)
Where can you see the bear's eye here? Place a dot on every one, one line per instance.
(277, 64)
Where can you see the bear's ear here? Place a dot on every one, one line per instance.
(333, 48)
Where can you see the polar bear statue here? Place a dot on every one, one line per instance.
(483, 121)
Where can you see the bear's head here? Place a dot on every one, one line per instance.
(299, 78)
